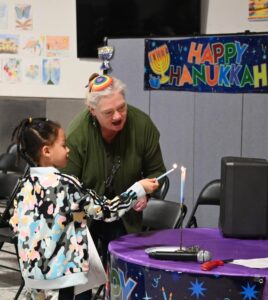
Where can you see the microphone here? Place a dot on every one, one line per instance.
(182, 255)
(203, 256)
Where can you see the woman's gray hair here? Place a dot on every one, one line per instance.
(93, 98)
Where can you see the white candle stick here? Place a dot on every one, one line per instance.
(165, 174)
(183, 176)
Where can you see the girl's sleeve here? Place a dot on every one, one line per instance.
(108, 210)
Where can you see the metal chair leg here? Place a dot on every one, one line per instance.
(101, 287)
(19, 290)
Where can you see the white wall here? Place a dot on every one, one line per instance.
(229, 16)
(58, 17)
(52, 17)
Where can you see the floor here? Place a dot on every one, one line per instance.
(9, 279)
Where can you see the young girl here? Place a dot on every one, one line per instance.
(51, 210)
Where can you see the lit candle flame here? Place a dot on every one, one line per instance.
(165, 174)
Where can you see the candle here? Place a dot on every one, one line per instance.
(164, 293)
(183, 175)
(165, 174)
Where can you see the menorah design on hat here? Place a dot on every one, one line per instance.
(159, 60)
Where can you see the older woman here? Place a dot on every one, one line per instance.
(112, 145)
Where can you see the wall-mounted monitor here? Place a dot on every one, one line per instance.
(97, 19)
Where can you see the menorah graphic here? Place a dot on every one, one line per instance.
(159, 60)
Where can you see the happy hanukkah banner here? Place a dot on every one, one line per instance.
(223, 64)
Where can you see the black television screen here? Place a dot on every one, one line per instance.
(97, 19)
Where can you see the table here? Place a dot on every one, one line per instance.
(134, 275)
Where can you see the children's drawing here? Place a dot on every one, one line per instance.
(9, 43)
(32, 46)
(32, 71)
(57, 46)
(12, 70)
(3, 15)
(258, 10)
(51, 71)
(23, 17)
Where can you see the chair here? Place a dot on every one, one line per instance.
(12, 148)
(163, 214)
(209, 195)
(9, 162)
(162, 191)
(9, 184)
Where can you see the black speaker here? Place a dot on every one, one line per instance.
(244, 197)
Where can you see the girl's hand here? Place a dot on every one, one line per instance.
(149, 185)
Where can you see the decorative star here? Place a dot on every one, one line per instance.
(249, 292)
(197, 289)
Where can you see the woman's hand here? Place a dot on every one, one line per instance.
(141, 204)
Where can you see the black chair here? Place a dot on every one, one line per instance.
(9, 184)
(6, 162)
(12, 148)
(209, 195)
(162, 191)
(9, 161)
(163, 214)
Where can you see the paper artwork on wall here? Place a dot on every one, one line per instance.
(51, 71)
(258, 10)
(12, 70)
(32, 71)
(9, 43)
(32, 46)
(23, 17)
(3, 15)
(57, 46)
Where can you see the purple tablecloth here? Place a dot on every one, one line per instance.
(131, 248)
